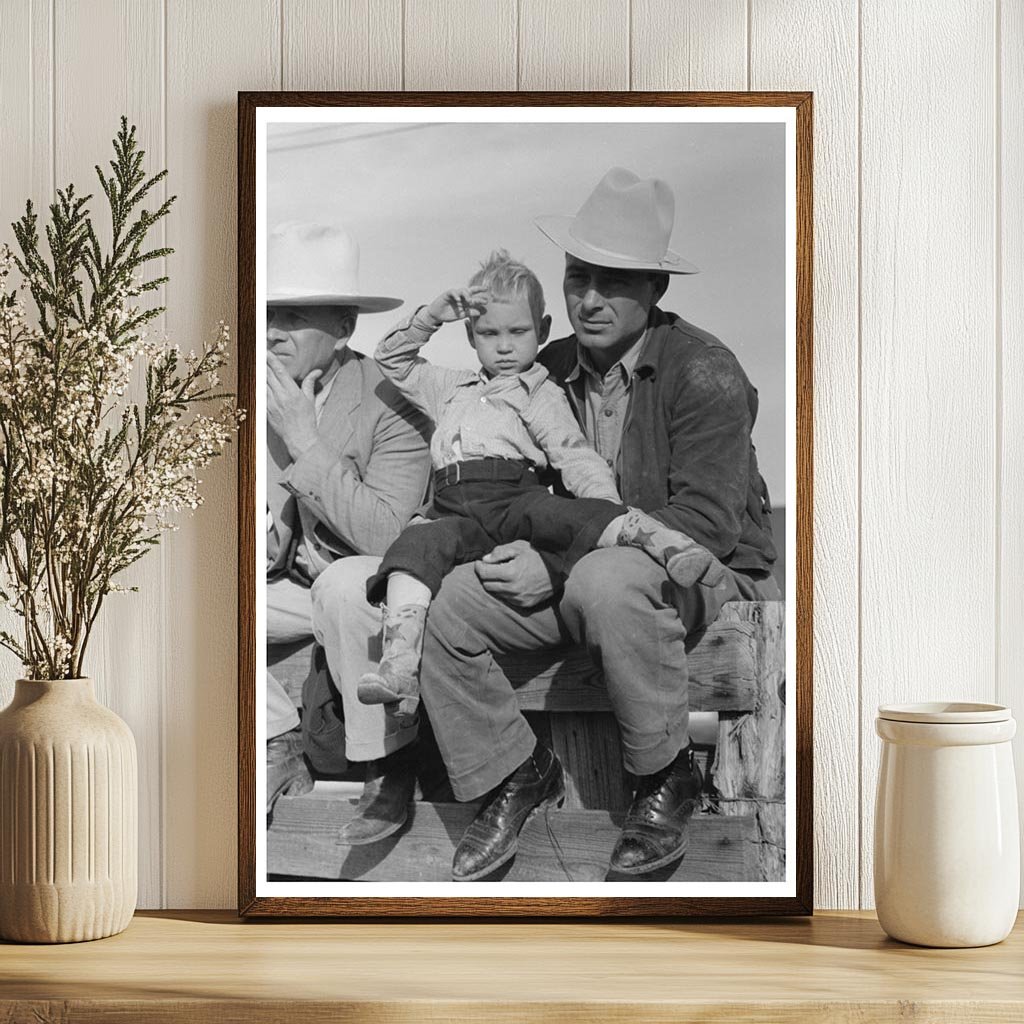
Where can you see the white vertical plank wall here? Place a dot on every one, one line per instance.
(460, 44)
(574, 44)
(928, 517)
(26, 123)
(919, 317)
(213, 51)
(698, 45)
(790, 49)
(125, 653)
(342, 44)
(1009, 184)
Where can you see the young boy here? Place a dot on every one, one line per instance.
(494, 430)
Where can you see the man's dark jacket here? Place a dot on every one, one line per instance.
(686, 455)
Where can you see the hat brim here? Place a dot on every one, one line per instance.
(557, 229)
(363, 303)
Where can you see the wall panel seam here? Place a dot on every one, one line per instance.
(997, 232)
(519, 43)
(53, 98)
(33, 170)
(860, 456)
(162, 700)
(750, 45)
(629, 45)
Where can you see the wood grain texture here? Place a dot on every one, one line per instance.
(26, 171)
(1010, 256)
(564, 847)
(814, 46)
(225, 46)
(928, 518)
(749, 770)
(125, 655)
(211, 969)
(460, 44)
(342, 44)
(589, 745)
(690, 44)
(574, 44)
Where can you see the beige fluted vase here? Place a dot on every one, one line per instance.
(68, 815)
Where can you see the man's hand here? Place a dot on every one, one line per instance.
(516, 574)
(291, 413)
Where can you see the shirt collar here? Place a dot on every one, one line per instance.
(626, 365)
(530, 379)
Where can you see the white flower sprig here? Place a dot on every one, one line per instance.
(88, 478)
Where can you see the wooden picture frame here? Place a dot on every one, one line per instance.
(788, 704)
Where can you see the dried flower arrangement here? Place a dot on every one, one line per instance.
(90, 478)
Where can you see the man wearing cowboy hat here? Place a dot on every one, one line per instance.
(671, 410)
(347, 464)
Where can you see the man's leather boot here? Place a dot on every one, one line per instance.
(384, 806)
(493, 836)
(654, 833)
(286, 768)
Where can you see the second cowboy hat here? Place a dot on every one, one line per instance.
(626, 223)
(317, 265)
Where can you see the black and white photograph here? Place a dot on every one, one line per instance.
(525, 476)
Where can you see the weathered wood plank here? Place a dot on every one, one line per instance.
(721, 665)
(750, 762)
(302, 843)
(590, 749)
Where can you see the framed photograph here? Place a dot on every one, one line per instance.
(525, 504)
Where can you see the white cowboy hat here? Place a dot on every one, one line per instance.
(626, 223)
(317, 265)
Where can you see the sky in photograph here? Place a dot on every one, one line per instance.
(428, 202)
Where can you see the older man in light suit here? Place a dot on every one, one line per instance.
(347, 464)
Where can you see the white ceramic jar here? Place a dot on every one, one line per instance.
(947, 846)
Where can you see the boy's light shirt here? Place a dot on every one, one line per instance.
(521, 417)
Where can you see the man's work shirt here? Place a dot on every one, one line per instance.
(607, 398)
(524, 417)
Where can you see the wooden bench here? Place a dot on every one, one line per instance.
(737, 669)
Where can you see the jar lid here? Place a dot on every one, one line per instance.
(945, 713)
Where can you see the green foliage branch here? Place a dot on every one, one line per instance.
(89, 477)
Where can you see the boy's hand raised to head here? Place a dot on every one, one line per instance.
(458, 304)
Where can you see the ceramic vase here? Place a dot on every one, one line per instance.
(947, 847)
(68, 815)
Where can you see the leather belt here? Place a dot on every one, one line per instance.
(476, 470)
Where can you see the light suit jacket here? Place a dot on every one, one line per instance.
(356, 488)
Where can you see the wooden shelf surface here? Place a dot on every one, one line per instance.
(208, 966)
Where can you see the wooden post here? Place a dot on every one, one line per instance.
(750, 762)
